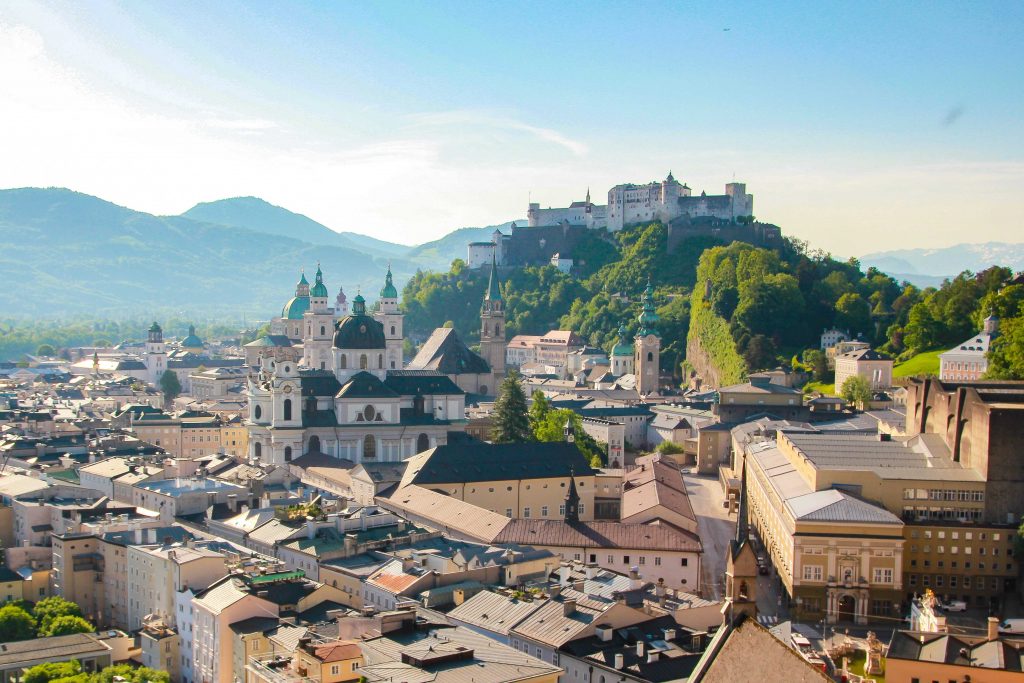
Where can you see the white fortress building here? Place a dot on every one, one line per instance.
(664, 201)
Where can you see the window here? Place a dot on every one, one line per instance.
(257, 412)
(685, 562)
(625, 559)
(543, 510)
(812, 572)
(369, 447)
(287, 409)
(526, 513)
(287, 453)
(335, 669)
(257, 449)
(643, 559)
(363, 362)
(883, 575)
(343, 362)
(369, 412)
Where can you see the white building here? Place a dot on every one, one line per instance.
(968, 362)
(830, 338)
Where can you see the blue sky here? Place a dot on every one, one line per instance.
(857, 126)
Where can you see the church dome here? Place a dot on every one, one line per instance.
(389, 291)
(295, 308)
(359, 331)
(192, 341)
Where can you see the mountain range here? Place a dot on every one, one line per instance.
(64, 252)
(929, 267)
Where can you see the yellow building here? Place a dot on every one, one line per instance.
(837, 556)
(12, 586)
(234, 437)
(520, 481)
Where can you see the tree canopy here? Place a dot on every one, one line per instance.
(511, 421)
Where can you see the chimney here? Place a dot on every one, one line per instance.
(555, 591)
(151, 534)
(563, 575)
(652, 656)
(670, 634)
(604, 632)
(569, 607)
(233, 502)
(993, 628)
(310, 528)
(138, 533)
(591, 571)
(619, 663)
(579, 585)
(640, 649)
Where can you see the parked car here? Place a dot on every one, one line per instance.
(1012, 626)
(954, 606)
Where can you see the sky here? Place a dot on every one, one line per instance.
(856, 126)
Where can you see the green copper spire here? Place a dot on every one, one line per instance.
(389, 291)
(303, 280)
(319, 288)
(624, 347)
(648, 317)
(493, 291)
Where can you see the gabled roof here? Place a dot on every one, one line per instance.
(865, 354)
(421, 382)
(832, 505)
(270, 340)
(479, 461)
(364, 385)
(445, 352)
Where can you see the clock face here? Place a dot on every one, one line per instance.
(287, 389)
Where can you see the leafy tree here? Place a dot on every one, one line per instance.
(46, 350)
(51, 671)
(170, 385)
(539, 409)
(141, 674)
(817, 362)
(511, 422)
(16, 624)
(856, 390)
(668, 448)
(552, 428)
(66, 625)
(922, 329)
(1006, 357)
(49, 609)
(853, 313)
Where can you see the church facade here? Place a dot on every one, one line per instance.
(350, 397)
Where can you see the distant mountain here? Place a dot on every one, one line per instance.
(931, 266)
(453, 245)
(65, 252)
(259, 215)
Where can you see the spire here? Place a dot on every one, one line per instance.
(588, 195)
(319, 289)
(569, 431)
(389, 291)
(493, 290)
(572, 500)
(648, 317)
(742, 524)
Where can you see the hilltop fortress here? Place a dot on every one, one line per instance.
(552, 233)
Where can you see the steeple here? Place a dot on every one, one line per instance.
(359, 305)
(572, 500)
(569, 431)
(319, 289)
(493, 290)
(302, 288)
(742, 523)
(648, 316)
(389, 291)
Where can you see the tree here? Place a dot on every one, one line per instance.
(856, 390)
(170, 385)
(853, 313)
(922, 329)
(46, 350)
(511, 421)
(51, 671)
(140, 674)
(16, 624)
(49, 609)
(817, 362)
(66, 625)
(668, 448)
(539, 409)
(1006, 358)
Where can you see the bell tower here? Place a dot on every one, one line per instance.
(156, 353)
(492, 321)
(318, 324)
(647, 347)
(391, 318)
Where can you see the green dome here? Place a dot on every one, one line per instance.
(192, 341)
(389, 291)
(319, 288)
(295, 308)
(622, 347)
(359, 331)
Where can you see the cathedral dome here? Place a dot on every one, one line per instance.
(359, 331)
(192, 341)
(294, 309)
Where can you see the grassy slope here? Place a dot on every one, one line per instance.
(926, 363)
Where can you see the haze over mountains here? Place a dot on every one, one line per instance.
(925, 267)
(64, 252)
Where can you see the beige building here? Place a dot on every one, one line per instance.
(77, 572)
(519, 481)
(873, 366)
(915, 656)
(157, 573)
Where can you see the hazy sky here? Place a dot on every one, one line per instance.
(857, 125)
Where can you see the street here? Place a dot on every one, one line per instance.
(716, 528)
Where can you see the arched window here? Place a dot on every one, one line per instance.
(485, 329)
(422, 443)
(417, 405)
(343, 362)
(323, 330)
(650, 356)
(369, 447)
(497, 329)
(483, 389)
(257, 413)
(287, 409)
(287, 453)
(314, 444)
(380, 360)
(257, 450)
(392, 330)
(363, 362)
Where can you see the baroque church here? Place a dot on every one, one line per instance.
(349, 395)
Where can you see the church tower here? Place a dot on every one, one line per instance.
(391, 318)
(156, 353)
(741, 569)
(572, 501)
(492, 330)
(340, 304)
(647, 345)
(318, 323)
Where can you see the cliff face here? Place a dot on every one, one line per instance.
(710, 348)
(705, 368)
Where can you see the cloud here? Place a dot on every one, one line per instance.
(469, 117)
